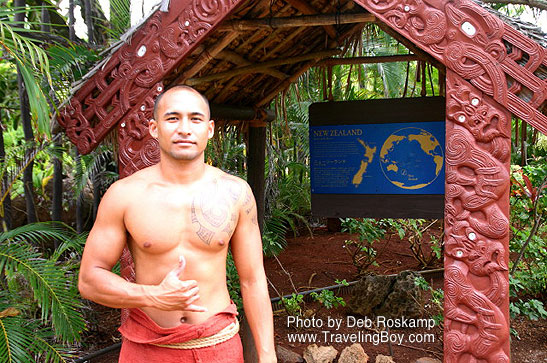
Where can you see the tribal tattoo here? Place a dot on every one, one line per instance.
(214, 209)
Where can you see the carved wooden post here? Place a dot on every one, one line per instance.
(478, 153)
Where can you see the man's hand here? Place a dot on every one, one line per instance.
(173, 293)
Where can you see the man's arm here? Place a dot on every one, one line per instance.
(247, 252)
(103, 249)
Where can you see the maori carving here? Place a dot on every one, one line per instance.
(476, 225)
(478, 46)
(125, 78)
(137, 149)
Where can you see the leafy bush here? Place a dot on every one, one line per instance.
(533, 309)
(293, 304)
(435, 305)
(362, 252)
(415, 230)
(328, 299)
(529, 231)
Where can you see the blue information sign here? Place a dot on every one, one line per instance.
(392, 158)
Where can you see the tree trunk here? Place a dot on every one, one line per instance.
(96, 194)
(89, 20)
(71, 31)
(57, 197)
(523, 140)
(27, 130)
(6, 220)
(79, 198)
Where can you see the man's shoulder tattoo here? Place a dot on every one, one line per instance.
(213, 211)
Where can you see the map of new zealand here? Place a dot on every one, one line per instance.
(368, 157)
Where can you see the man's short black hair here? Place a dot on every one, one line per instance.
(179, 87)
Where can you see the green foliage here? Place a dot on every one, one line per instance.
(435, 305)
(529, 230)
(32, 62)
(532, 309)
(232, 281)
(362, 252)
(293, 304)
(328, 299)
(39, 291)
(415, 230)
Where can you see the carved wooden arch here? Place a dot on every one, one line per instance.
(492, 71)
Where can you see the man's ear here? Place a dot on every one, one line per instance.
(211, 130)
(153, 128)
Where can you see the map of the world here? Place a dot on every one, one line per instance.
(397, 158)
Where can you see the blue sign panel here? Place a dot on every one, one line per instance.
(393, 158)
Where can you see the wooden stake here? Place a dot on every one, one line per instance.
(297, 21)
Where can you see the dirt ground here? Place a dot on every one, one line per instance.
(312, 262)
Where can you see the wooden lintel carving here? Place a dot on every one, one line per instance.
(478, 46)
(125, 79)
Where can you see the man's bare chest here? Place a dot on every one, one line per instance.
(197, 218)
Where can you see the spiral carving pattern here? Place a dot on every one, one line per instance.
(478, 46)
(476, 225)
(126, 77)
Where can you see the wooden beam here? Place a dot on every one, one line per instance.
(297, 21)
(369, 60)
(261, 66)
(206, 56)
(286, 83)
(240, 113)
(237, 59)
(307, 9)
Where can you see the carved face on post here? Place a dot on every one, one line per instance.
(182, 124)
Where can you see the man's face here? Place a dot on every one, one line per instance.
(182, 125)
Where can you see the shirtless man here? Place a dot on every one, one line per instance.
(178, 218)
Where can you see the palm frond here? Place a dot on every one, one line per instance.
(16, 335)
(31, 61)
(53, 288)
(24, 340)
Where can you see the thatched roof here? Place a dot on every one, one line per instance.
(244, 53)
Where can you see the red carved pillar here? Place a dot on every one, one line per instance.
(478, 150)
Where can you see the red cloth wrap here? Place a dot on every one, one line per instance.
(140, 333)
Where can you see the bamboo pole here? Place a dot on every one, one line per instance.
(259, 67)
(297, 21)
(369, 60)
(307, 9)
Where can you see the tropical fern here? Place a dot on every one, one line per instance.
(53, 285)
